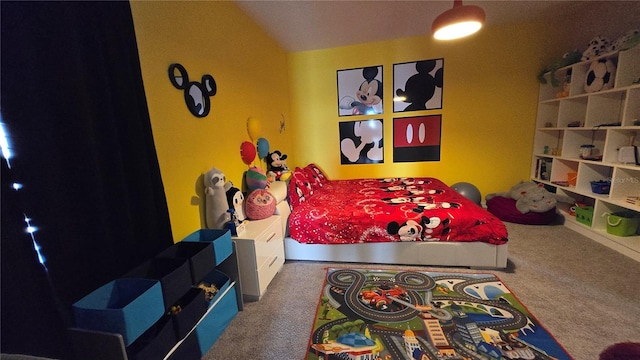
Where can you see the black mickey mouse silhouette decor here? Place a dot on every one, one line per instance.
(196, 94)
(422, 82)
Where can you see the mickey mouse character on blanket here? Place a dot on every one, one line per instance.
(411, 230)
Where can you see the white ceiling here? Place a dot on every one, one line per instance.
(319, 24)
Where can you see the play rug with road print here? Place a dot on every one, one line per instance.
(389, 314)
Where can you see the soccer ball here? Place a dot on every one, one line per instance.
(601, 76)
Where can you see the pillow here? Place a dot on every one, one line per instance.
(505, 209)
(313, 178)
(279, 190)
(319, 173)
(260, 204)
(255, 178)
(299, 187)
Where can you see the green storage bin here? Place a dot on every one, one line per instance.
(584, 215)
(622, 223)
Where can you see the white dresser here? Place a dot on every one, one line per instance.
(260, 250)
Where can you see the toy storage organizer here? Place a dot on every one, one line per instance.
(583, 147)
(173, 306)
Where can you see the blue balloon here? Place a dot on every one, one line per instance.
(263, 148)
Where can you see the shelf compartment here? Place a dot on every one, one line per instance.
(617, 138)
(602, 209)
(625, 182)
(548, 140)
(628, 67)
(591, 172)
(571, 110)
(605, 108)
(632, 108)
(573, 139)
(542, 167)
(561, 169)
(548, 114)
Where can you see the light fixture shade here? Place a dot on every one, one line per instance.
(457, 22)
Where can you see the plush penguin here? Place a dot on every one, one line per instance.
(235, 200)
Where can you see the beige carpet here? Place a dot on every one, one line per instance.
(585, 294)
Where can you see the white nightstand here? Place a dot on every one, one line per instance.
(260, 255)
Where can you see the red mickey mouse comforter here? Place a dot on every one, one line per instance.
(383, 210)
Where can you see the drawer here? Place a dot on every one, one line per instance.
(273, 231)
(268, 271)
(269, 247)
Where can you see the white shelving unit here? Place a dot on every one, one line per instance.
(607, 119)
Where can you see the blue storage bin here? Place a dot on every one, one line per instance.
(192, 306)
(189, 349)
(601, 186)
(199, 254)
(220, 239)
(124, 306)
(216, 320)
(174, 276)
(155, 343)
(220, 280)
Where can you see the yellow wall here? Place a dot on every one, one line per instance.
(489, 100)
(250, 70)
(489, 105)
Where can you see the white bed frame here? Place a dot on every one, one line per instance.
(465, 254)
(469, 254)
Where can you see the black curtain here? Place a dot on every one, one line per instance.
(74, 109)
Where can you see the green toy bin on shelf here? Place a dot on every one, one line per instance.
(622, 223)
(584, 215)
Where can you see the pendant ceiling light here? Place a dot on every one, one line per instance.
(457, 22)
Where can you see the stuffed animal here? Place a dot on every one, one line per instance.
(260, 204)
(215, 189)
(599, 45)
(277, 168)
(626, 41)
(569, 58)
(255, 179)
(532, 197)
(235, 200)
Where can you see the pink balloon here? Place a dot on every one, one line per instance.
(247, 152)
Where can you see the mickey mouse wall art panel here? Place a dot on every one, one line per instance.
(360, 91)
(418, 85)
(196, 94)
(361, 142)
(417, 138)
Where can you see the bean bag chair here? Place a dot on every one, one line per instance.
(504, 208)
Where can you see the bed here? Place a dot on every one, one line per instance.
(412, 221)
